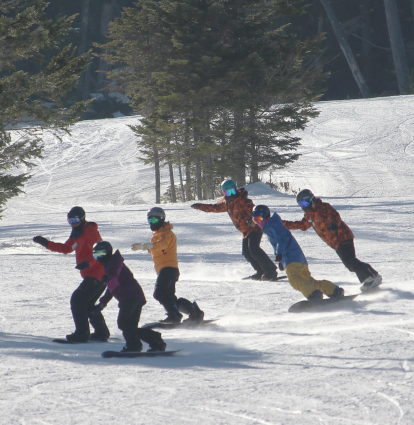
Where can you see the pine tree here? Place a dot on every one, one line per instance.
(32, 102)
(230, 75)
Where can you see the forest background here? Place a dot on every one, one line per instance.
(210, 111)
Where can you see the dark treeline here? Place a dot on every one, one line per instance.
(364, 23)
(220, 85)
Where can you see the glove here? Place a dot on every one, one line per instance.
(41, 240)
(195, 206)
(251, 223)
(96, 309)
(82, 266)
(142, 246)
(278, 259)
(333, 227)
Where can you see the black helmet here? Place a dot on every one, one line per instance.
(102, 251)
(260, 211)
(156, 212)
(156, 218)
(78, 212)
(76, 216)
(305, 198)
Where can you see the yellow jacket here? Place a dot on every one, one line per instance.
(164, 253)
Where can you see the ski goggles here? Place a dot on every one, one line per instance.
(304, 203)
(230, 192)
(153, 220)
(257, 217)
(98, 254)
(74, 220)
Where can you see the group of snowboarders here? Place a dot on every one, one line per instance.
(102, 269)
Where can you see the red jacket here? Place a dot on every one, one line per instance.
(82, 245)
(239, 209)
(327, 223)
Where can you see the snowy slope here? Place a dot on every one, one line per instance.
(258, 364)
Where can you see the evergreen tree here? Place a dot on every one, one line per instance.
(230, 74)
(33, 98)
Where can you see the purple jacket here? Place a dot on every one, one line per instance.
(121, 283)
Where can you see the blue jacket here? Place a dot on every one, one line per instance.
(283, 242)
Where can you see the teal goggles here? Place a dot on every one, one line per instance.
(153, 220)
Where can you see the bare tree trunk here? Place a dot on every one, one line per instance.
(346, 49)
(198, 180)
(107, 15)
(172, 183)
(397, 45)
(366, 46)
(180, 173)
(188, 182)
(84, 80)
(157, 176)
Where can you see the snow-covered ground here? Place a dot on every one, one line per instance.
(258, 364)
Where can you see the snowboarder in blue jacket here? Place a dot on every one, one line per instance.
(290, 257)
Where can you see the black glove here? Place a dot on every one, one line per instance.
(278, 259)
(82, 266)
(333, 227)
(96, 309)
(41, 240)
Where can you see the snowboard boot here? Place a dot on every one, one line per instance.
(173, 316)
(371, 282)
(315, 295)
(256, 276)
(78, 337)
(339, 292)
(160, 345)
(196, 315)
(136, 347)
(269, 276)
(98, 336)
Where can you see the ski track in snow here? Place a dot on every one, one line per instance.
(257, 364)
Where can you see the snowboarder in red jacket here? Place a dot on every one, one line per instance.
(81, 240)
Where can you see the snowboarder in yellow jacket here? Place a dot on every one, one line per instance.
(163, 248)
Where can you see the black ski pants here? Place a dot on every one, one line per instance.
(164, 291)
(346, 253)
(255, 255)
(128, 319)
(81, 303)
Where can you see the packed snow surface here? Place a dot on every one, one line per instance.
(257, 364)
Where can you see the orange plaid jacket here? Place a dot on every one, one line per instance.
(327, 223)
(239, 209)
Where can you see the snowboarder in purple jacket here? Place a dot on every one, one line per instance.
(122, 285)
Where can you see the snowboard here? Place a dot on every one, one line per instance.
(65, 341)
(307, 305)
(183, 325)
(274, 280)
(132, 354)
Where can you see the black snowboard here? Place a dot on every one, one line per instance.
(307, 305)
(65, 341)
(274, 280)
(132, 354)
(184, 325)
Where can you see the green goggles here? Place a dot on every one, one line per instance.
(153, 220)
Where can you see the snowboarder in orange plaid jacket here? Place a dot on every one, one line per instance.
(239, 208)
(328, 224)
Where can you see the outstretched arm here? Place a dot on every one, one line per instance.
(216, 208)
(303, 224)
